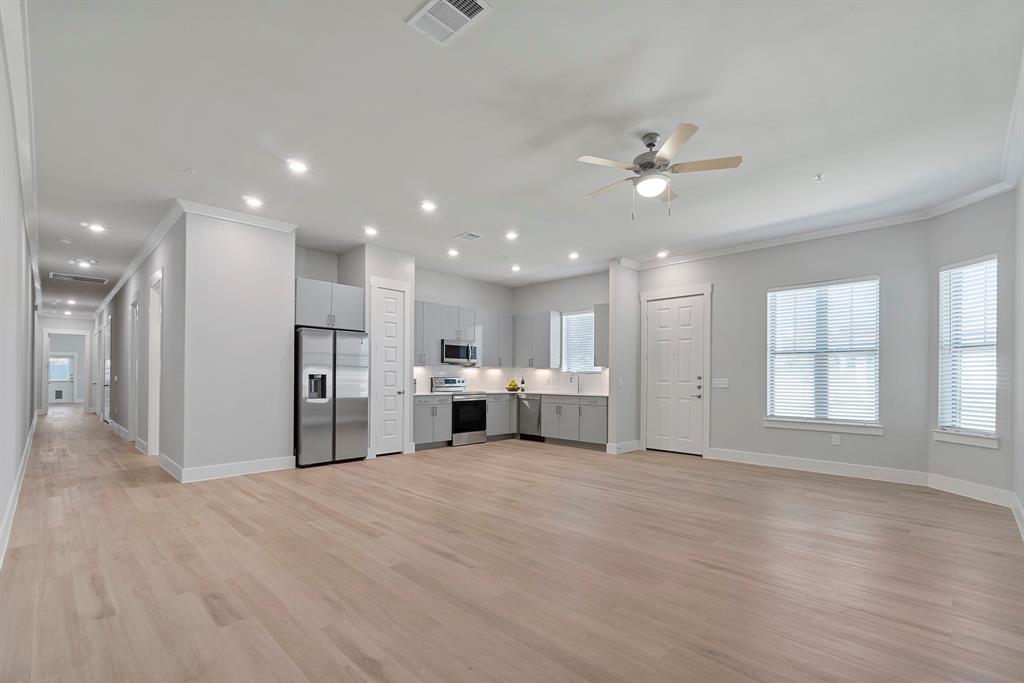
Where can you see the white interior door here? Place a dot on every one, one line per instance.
(155, 340)
(61, 378)
(388, 340)
(675, 386)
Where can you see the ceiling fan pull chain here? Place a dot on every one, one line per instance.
(670, 199)
(633, 195)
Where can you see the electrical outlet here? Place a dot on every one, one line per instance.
(620, 383)
(835, 439)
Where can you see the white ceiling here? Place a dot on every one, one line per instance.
(900, 105)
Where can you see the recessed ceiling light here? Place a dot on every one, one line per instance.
(428, 206)
(84, 224)
(515, 269)
(818, 177)
(511, 235)
(662, 254)
(297, 166)
(67, 312)
(453, 252)
(96, 227)
(253, 202)
(65, 240)
(71, 302)
(370, 230)
(84, 264)
(574, 255)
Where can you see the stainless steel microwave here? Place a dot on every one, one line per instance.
(456, 352)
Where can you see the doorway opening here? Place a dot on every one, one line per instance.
(65, 366)
(155, 336)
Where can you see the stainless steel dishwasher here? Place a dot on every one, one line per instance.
(529, 415)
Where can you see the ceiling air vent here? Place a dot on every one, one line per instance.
(79, 278)
(468, 236)
(442, 20)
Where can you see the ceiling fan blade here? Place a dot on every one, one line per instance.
(679, 137)
(601, 161)
(604, 189)
(667, 194)
(706, 165)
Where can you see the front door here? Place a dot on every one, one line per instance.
(675, 382)
(388, 337)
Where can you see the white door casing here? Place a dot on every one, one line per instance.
(676, 369)
(388, 369)
(155, 341)
(133, 368)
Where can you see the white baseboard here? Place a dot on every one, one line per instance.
(12, 503)
(234, 469)
(624, 447)
(171, 467)
(842, 469)
(119, 430)
(141, 446)
(968, 489)
(988, 494)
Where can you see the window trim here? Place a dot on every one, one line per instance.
(561, 366)
(965, 437)
(819, 424)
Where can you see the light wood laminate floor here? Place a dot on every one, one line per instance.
(510, 561)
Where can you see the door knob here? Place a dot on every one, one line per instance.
(400, 392)
(695, 396)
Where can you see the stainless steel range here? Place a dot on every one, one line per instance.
(469, 410)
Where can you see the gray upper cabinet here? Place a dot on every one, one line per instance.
(427, 334)
(467, 324)
(506, 341)
(329, 304)
(488, 341)
(601, 335)
(431, 333)
(449, 322)
(538, 340)
(348, 307)
(312, 302)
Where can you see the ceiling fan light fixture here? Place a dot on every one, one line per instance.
(651, 185)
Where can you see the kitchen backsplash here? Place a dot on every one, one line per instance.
(485, 379)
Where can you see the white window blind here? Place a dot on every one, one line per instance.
(823, 352)
(578, 342)
(967, 347)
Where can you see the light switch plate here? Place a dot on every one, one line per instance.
(720, 382)
(835, 439)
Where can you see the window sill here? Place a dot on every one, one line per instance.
(825, 426)
(979, 440)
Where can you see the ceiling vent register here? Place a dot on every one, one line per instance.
(468, 236)
(79, 278)
(442, 20)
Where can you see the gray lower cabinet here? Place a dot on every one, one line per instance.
(501, 415)
(431, 419)
(574, 418)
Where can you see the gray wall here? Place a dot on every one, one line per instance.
(569, 295)
(240, 298)
(906, 259)
(315, 264)
(74, 344)
(624, 352)
(168, 256)
(17, 333)
(445, 288)
(1018, 424)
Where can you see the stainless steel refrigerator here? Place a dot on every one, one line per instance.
(332, 396)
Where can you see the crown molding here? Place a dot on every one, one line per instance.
(14, 44)
(236, 216)
(627, 263)
(911, 217)
(1013, 150)
(156, 237)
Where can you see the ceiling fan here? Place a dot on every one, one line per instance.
(651, 168)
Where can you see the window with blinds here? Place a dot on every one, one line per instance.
(578, 342)
(967, 347)
(823, 352)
